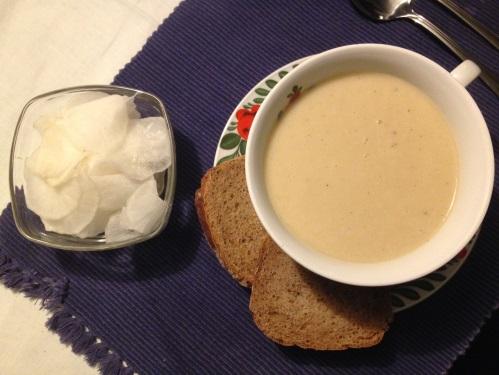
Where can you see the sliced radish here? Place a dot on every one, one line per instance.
(114, 190)
(56, 158)
(93, 170)
(144, 209)
(115, 232)
(97, 225)
(44, 122)
(101, 165)
(84, 213)
(146, 149)
(49, 202)
(98, 126)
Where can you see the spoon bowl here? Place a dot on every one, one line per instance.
(384, 10)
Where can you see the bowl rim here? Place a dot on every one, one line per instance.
(288, 243)
(76, 244)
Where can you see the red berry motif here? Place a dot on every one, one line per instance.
(462, 254)
(245, 119)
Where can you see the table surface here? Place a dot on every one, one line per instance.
(99, 38)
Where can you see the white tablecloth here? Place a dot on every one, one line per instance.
(46, 45)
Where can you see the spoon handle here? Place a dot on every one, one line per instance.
(487, 76)
(473, 23)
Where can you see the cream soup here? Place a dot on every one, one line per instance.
(362, 167)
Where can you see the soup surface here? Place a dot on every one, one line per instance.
(362, 167)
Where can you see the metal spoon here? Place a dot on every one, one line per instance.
(388, 10)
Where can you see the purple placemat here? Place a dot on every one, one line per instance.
(166, 306)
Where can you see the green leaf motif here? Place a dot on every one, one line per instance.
(407, 293)
(422, 284)
(271, 83)
(229, 141)
(226, 158)
(435, 276)
(231, 128)
(233, 122)
(397, 302)
(445, 266)
(282, 73)
(242, 147)
(258, 100)
(262, 92)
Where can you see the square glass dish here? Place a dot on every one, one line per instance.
(26, 140)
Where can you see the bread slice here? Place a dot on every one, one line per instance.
(229, 221)
(293, 306)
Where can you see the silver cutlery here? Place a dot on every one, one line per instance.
(388, 10)
(472, 22)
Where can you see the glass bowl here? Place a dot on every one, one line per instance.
(26, 139)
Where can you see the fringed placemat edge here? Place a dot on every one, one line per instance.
(71, 329)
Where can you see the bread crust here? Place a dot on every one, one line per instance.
(237, 259)
(198, 203)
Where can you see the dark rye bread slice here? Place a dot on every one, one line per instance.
(293, 306)
(229, 221)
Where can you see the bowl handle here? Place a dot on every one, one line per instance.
(465, 72)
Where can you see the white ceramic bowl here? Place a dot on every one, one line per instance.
(476, 161)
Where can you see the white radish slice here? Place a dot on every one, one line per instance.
(99, 126)
(144, 209)
(115, 232)
(101, 165)
(97, 225)
(49, 202)
(84, 213)
(93, 168)
(146, 149)
(44, 122)
(54, 109)
(55, 159)
(114, 190)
